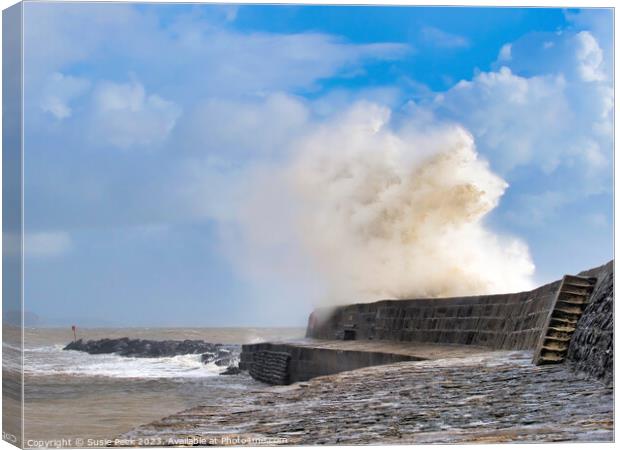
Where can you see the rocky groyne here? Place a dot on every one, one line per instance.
(144, 348)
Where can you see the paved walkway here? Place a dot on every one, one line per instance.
(492, 397)
(421, 350)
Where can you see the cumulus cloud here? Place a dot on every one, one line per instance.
(512, 117)
(590, 57)
(543, 118)
(125, 115)
(376, 211)
(558, 118)
(59, 91)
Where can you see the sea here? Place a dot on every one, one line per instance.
(73, 395)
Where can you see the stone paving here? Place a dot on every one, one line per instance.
(493, 397)
(422, 350)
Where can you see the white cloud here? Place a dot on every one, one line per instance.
(589, 57)
(561, 117)
(557, 123)
(259, 62)
(126, 116)
(511, 116)
(56, 35)
(46, 244)
(505, 53)
(58, 92)
(441, 38)
(182, 51)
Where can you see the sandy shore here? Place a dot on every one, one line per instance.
(492, 397)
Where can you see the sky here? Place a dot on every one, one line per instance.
(164, 145)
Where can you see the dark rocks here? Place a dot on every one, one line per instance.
(231, 370)
(225, 361)
(143, 348)
(222, 357)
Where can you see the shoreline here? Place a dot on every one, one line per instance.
(100, 401)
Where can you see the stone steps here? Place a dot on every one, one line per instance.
(570, 301)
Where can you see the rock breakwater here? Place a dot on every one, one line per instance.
(144, 348)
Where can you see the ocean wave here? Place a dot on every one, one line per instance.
(52, 360)
(7, 346)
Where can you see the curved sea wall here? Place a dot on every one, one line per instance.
(518, 321)
(591, 349)
(503, 321)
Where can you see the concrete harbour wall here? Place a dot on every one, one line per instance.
(504, 321)
(265, 361)
(501, 322)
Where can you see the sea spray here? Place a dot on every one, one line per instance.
(372, 210)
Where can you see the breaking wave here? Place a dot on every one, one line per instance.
(53, 360)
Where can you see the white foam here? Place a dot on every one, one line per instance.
(53, 360)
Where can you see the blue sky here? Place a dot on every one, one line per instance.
(153, 134)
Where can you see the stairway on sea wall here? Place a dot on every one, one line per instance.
(570, 302)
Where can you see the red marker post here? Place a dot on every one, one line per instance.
(74, 328)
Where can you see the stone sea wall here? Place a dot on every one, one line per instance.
(591, 349)
(278, 363)
(502, 322)
(505, 321)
